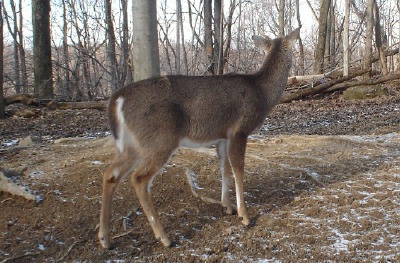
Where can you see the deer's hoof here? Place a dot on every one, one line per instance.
(105, 242)
(229, 210)
(166, 242)
(245, 220)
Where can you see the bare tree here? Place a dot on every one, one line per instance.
(301, 48)
(219, 40)
(21, 49)
(398, 55)
(208, 39)
(378, 39)
(178, 36)
(66, 77)
(126, 64)
(42, 49)
(346, 39)
(14, 33)
(145, 40)
(2, 106)
(322, 36)
(281, 16)
(112, 60)
(368, 38)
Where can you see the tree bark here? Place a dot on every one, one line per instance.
(218, 29)
(112, 59)
(378, 39)
(398, 56)
(301, 48)
(346, 52)
(14, 33)
(145, 40)
(178, 37)
(368, 39)
(2, 104)
(208, 40)
(322, 35)
(66, 79)
(126, 76)
(22, 55)
(42, 65)
(281, 17)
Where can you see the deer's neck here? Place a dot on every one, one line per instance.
(273, 75)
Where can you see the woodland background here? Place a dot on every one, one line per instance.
(92, 42)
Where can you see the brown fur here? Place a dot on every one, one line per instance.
(160, 113)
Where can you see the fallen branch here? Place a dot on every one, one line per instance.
(27, 254)
(23, 98)
(346, 85)
(125, 234)
(321, 87)
(68, 251)
(98, 105)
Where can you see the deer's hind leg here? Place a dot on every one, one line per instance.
(225, 168)
(123, 164)
(141, 180)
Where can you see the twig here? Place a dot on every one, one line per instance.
(69, 250)
(27, 254)
(124, 234)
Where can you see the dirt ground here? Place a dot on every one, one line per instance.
(322, 185)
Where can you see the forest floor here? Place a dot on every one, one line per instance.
(322, 185)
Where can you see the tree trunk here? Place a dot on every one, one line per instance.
(368, 39)
(301, 48)
(208, 40)
(229, 23)
(126, 76)
(332, 42)
(22, 55)
(346, 39)
(145, 40)
(66, 80)
(281, 17)
(218, 29)
(178, 37)
(42, 66)
(322, 35)
(14, 33)
(112, 60)
(2, 106)
(398, 55)
(378, 39)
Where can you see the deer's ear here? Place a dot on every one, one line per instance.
(293, 36)
(261, 42)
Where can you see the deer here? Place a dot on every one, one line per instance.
(152, 118)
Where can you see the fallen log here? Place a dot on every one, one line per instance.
(23, 98)
(301, 93)
(383, 79)
(99, 105)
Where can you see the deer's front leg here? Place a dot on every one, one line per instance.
(237, 150)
